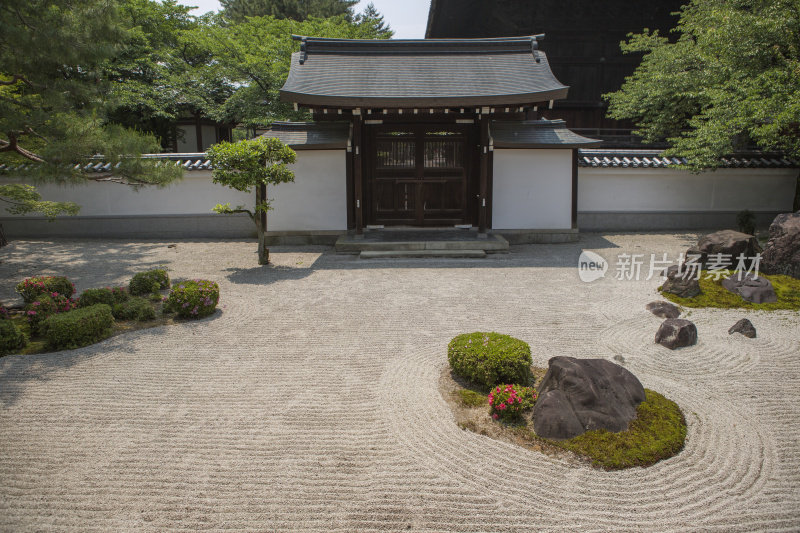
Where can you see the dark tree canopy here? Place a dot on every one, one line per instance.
(238, 10)
(730, 81)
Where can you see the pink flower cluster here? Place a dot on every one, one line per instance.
(507, 402)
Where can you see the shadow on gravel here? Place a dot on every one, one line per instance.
(116, 260)
(520, 256)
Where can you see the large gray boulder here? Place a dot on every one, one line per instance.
(676, 333)
(782, 254)
(758, 290)
(578, 395)
(727, 242)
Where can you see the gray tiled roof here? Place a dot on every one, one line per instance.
(311, 135)
(421, 73)
(654, 159)
(536, 134)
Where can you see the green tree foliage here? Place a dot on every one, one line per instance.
(254, 57)
(21, 199)
(250, 164)
(54, 96)
(157, 74)
(732, 78)
(238, 10)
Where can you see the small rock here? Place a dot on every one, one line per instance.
(676, 333)
(578, 395)
(757, 290)
(782, 254)
(745, 327)
(172, 246)
(664, 309)
(727, 242)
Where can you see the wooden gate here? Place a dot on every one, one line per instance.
(418, 175)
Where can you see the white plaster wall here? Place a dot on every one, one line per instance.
(195, 194)
(658, 190)
(317, 200)
(532, 189)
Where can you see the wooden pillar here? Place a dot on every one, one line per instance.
(358, 170)
(484, 173)
(574, 188)
(198, 132)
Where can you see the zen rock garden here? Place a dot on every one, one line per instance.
(592, 407)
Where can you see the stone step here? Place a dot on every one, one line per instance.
(421, 241)
(461, 254)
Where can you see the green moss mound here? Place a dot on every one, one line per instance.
(470, 398)
(715, 295)
(489, 359)
(657, 433)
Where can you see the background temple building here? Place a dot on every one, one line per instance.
(582, 43)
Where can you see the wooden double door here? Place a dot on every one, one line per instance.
(420, 175)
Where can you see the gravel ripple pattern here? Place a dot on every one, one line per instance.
(309, 401)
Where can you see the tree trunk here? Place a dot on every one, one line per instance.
(261, 222)
(263, 251)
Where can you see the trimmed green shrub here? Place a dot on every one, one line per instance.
(80, 327)
(147, 282)
(108, 295)
(136, 308)
(30, 288)
(489, 359)
(193, 299)
(44, 306)
(11, 338)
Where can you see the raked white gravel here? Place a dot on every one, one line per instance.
(309, 402)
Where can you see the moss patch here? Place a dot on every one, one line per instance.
(715, 295)
(471, 398)
(658, 432)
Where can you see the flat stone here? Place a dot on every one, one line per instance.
(579, 395)
(664, 309)
(383, 254)
(676, 333)
(782, 254)
(757, 290)
(745, 327)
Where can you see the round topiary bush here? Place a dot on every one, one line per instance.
(108, 295)
(80, 327)
(193, 299)
(30, 288)
(490, 359)
(136, 308)
(11, 338)
(149, 282)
